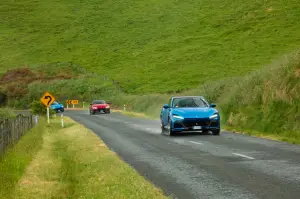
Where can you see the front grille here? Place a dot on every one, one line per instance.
(214, 124)
(195, 122)
(178, 125)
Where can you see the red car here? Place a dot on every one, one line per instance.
(99, 105)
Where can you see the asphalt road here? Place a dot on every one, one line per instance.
(200, 166)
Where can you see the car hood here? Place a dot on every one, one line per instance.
(194, 112)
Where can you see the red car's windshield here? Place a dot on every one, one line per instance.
(98, 102)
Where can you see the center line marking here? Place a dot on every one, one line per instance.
(238, 154)
(196, 142)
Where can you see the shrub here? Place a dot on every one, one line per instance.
(6, 113)
(38, 108)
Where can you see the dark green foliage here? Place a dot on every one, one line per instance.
(40, 109)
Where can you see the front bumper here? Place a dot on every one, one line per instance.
(196, 124)
(59, 109)
(101, 109)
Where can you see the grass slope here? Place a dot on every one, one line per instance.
(86, 168)
(150, 46)
(265, 102)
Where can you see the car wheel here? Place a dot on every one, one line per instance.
(170, 130)
(162, 128)
(216, 132)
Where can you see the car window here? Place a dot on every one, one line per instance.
(54, 103)
(189, 102)
(98, 102)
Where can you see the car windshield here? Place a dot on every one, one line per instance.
(54, 103)
(189, 102)
(98, 102)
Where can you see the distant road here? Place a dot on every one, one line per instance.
(200, 166)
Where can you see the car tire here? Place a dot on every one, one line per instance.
(216, 132)
(162, 128)
(170, 130)
(107, 111)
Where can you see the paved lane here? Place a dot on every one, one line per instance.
(200, 166)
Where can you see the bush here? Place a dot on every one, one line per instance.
(38, 108)
(6, 113)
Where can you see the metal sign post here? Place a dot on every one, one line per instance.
(48, 115)
(62, 120)
(47, 99)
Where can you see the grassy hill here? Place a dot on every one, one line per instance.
(227, 51)
(150, 46)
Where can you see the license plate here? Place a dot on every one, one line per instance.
(197, 127)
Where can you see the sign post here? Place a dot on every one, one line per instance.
(62, 120)
(48, 115)
(47, 99)
(68, 102)
(74, 102)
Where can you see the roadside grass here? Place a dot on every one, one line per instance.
(75, 163)
(150, 46)
(15, 161)
(266, 101)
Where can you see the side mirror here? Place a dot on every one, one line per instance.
(166, 106)
(213, 105)
(91, 104)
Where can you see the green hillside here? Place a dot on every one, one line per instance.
(264, 102)
(150, 46)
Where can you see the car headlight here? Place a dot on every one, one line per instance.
(107, 106)
(214, 116)
(178, 117)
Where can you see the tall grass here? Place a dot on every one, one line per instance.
(14, 162)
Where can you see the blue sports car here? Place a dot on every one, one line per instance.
(189, 113)
(57, 107)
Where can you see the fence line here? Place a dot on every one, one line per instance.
(11, 130)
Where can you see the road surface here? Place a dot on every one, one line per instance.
(200, 166)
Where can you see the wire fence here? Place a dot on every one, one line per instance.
(11, 130)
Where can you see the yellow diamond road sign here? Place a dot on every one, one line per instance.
(47, 99)
(69, 101)
(74, 101)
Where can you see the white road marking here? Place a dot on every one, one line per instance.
(238, 154)
(196, 142)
